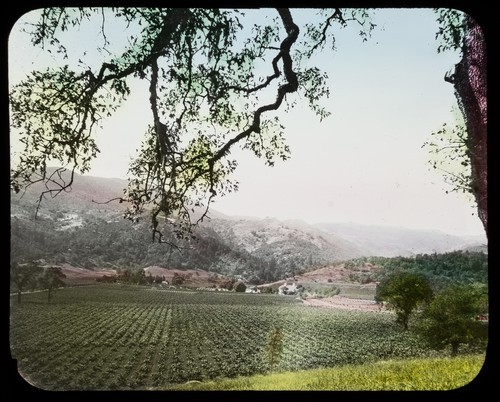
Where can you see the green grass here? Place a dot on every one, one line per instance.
(357, 291)
(434, 374)
(345, 289)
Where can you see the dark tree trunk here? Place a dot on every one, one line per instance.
(469, 80)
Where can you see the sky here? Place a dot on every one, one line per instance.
(364, 164)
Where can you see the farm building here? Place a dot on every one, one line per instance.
(289, 289)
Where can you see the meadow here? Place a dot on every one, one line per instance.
(121, 337)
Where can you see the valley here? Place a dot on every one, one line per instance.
(81, 229)
(132, 314)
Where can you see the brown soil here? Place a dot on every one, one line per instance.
(77, 275)
(193, 277)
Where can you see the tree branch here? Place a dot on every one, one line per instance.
(290, 86)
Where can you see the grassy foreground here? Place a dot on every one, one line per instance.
(434, 374)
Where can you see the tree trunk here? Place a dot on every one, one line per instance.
(469, 81)
(454, 348)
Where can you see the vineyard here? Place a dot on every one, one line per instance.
(126, 337)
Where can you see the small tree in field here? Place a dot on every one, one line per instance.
(240, 287)
(51, 280)
(23, 275)
(275, 347)
(227, 284)
(404, 292)
(177, 279)
(451, 318)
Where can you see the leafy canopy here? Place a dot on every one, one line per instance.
(214, 81)
(404, 292)
(451, 318)
(450, 154)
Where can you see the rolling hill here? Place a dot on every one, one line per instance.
(389, 241)
(82, 229)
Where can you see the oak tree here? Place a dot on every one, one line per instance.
(451, 319)
(22, 275)
(51, 280)
(213, 83)
(214, 80)
(404, 292)
(466, 141)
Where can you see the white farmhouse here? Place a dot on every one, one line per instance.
(289, 289)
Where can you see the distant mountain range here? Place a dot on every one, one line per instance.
(388, 241)
(80, 228)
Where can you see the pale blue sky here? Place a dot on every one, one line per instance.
(364, 163)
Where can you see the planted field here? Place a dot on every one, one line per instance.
(125, 337)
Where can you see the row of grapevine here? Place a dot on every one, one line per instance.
(125, 337)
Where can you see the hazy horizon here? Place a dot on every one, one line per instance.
(215, 210)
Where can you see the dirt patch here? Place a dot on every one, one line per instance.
(345, 303)
(80, 276)
(325, 274)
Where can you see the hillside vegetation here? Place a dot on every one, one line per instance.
(83, 230)
(441, 269)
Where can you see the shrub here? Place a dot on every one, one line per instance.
(240, 287)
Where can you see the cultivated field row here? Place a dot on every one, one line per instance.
(126, 337)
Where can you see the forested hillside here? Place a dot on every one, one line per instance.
(441, 269)
(83, 229)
